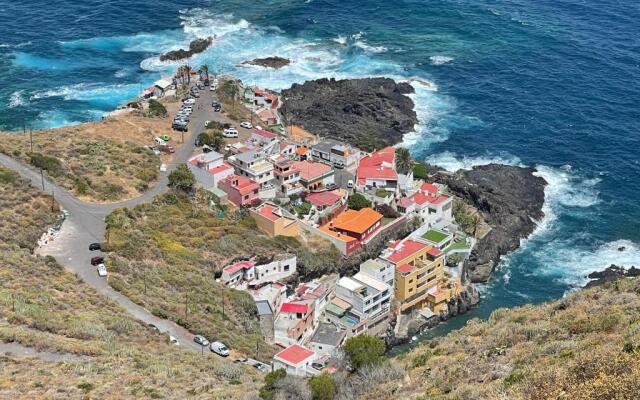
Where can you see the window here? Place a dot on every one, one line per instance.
(286, 267)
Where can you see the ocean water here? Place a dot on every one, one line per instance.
(541, 83)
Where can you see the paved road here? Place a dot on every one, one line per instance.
(86, 222)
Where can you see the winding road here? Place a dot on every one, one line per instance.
(86, 224)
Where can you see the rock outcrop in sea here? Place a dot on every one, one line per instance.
(611, 273)
(369, 113)
(196, 46)
(509, 199)
(269, 62)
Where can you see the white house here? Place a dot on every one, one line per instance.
(370, 299)
(283, 266)
(162, 86)
(254, 166)
(327, 339)
(296, 360)
(209, 169)
(263, 137)
(376, 269)
(334, 152)
(234, 274)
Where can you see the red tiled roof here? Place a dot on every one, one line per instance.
(377, 173)
(405, 268)
(386, 155)
(322, 199)
(265, 134)
(219, 168)
(434, 252)
(429, 187)
(233, 268)
(294, 308)
(267, 211)
(245, 185)
(379, 165)
(422, 198)
(405, 249)
(311, 170)
(406, 202)
(295, 354)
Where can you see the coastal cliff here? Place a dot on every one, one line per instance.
(509, 199)
(368, 113)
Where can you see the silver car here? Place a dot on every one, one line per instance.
(201, 340)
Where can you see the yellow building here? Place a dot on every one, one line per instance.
(420, 279)
(274, 221)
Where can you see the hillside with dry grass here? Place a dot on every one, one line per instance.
(99, 161)
(48, 309)
(165, 255)
(585, 346)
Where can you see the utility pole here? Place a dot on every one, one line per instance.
(13, 302)
(31, 137)
(42, 178)
(223, 306)
(144, 275)
(186, 305)
(53, 199)
(257, 347)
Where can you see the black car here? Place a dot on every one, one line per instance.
(217, 108)
(94, 246)
(331, 186)
(215, 104)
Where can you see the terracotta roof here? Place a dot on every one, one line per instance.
(233, 268)
(376, 159)
(245, 185)
(323, 199)
(219, 168)
(429, 187)
(422, 199)
(302, 151)
(379, 165)
(311, 170)
(434, 252)
(295, 354)
(267, 211)
(264, 134)
(294, 308)
(405, 249)
(345, 238)
(356, 221)
(405, 268)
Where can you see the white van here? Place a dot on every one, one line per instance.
(159, 141)
(219, 348)
(230, 133)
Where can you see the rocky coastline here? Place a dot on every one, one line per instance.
(195, 47)
(508, 198)
(269, 62)
(611, 273)
(368, 113)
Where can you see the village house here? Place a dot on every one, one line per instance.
(327, 339)
(269, 116)
(252, 274)
(266, 320)
(296, 360)
(316, 292)
(314, 175)
(433, 208)
(287, 149)
(273, 293)
(287, 178)
(379, 270)
(162, 86)
(294, 322)
(334, 152)
(209, 169)
(241, 191)
(254, 165)
(347, 231)
(275, 221)
(262, 137)
(419, 275)
(378, 171)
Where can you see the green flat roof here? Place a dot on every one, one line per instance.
(434, 236)
(459, 245)
(335, 310)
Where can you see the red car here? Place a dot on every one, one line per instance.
(97, 260)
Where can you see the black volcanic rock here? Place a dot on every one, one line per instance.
(196, 46)
(510, 200)
(611, 273)
(269, 62)
(367, 113)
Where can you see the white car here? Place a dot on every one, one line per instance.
(246, 125)
(189, 101)
(219, 348)
(350, 184)
(174, 341)
(230, 133)
(212, 88)
(201, 340)
(102, 270)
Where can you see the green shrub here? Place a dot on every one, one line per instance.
(420, 171)
(181, 178)
(156, 109)
(50, 164)
(363, 350)
(358, 202)
(268, 390)
(322, 387)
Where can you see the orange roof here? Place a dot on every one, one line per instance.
(268, 211)
(405, 269)
(356, 221)
(345, 238)
(405, 249)
(311, 170)
(302, 151)
(295, 354)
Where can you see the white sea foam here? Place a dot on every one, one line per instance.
(367, 47)
(453, 162)
(440, 60)
(17, 99)
(342, 40)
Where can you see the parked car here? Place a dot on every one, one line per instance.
(215, 104)
(331, 186)
(167, 149)
(153, 327)
(94, 246)
(217, 108)
(240, 360)
(195, 94)
(227, 147)
(102, 270)
(262, 367)
(350, 183)
(174, 341)
(165, 137)
(180, 127)
(189, 101)
(338, 165)
(201, 340)
(246, 125)
(219, 348)
(230, 133)
(212, 88)
(317, 366)
(159, 141)
(97, 260)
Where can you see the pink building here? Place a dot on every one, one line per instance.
(241, 191)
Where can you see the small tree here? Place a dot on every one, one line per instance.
(268, 391)
(156, 109)
(387, 211)
(322, 387)
(182, 179)
(403, 160)
(420, 171)
(358, 202)
(363, 350)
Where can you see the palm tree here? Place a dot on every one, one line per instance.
(205, 69)
(403, 160)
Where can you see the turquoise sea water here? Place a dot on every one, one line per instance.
(543, 83)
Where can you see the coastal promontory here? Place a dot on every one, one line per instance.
(195, 47)
(369, 113)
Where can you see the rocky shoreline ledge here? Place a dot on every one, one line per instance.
(195, 47)
(269, 62)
